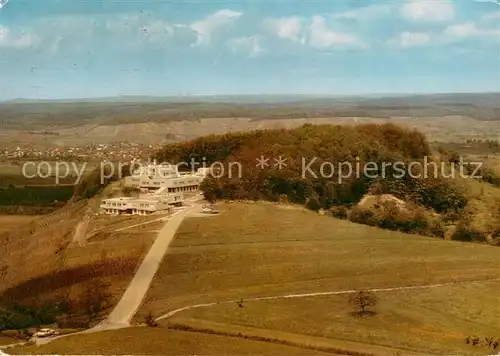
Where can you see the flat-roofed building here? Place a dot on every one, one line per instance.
(154, 177)
(141, 206)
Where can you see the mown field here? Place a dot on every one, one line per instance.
(264, 250)
(434, 321)
(11, 222)
(252, 250)
(45, 266)
(255, 250)
(44, 173)
(143, 341)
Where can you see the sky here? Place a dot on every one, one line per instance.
(56, 49)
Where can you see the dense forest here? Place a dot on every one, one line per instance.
(311, 176)
(35, 196)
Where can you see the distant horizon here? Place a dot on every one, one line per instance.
(235, 96)
(53, 49)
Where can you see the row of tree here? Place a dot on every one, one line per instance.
(321, 150)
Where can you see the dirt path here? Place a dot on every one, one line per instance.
(128, 313)
(164, 218)
(138, 287)
(129, 309)
(305, 295)
(80, 235)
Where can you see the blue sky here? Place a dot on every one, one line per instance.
(95, 48)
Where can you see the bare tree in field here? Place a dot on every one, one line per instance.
(362, 301)
(95, 298)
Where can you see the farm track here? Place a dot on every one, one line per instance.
(317, 294)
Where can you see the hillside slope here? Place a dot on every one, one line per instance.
(333, 167)
(52, 265)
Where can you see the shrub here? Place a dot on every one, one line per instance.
(465, 233)
(389, 216)
(73, 322)
(94, 298)
(313, 203)
(150, 320)
(340, 212)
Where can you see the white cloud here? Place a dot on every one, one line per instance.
(490, 1)
(205, 28)
(453, 33)
(468, 30)
(3, 3)
(492, 16)
(17, 40)
(251, 45)
(321, 37)
(151, 30)
(365, 13)
(425, 10)
(410, 39)
(157, 31)
(286, 27)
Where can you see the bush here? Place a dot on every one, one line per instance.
(313, 203)
(465, 233)
(389, 216)
(150, 320)
(340, 212)
(72, 322)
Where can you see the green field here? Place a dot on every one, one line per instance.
(253, 250)
(433, 321)
(35, 196)
(256, 250)
(143, 341)
(42, 173)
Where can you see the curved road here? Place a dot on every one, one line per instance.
(317, 294)
(132, 299)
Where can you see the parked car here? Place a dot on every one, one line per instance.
(45, 333)
(209, 209)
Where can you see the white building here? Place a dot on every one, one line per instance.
(154, 177)
(141, 206)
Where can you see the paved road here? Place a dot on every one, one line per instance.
(132, 299)
(138, 287)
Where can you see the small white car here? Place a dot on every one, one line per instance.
(209, 210)
(45, 333)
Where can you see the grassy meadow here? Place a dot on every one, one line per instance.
(251, 250)
(145, 341)
(264, 249)
(12, 222)
(45, 266)
(431, 321)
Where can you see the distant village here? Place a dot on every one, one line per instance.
(96, 152)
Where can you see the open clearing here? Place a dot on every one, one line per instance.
(43, 251)
(11, 222)
(433, 320)
(253, 250)
(143, 341)
(258, 249)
